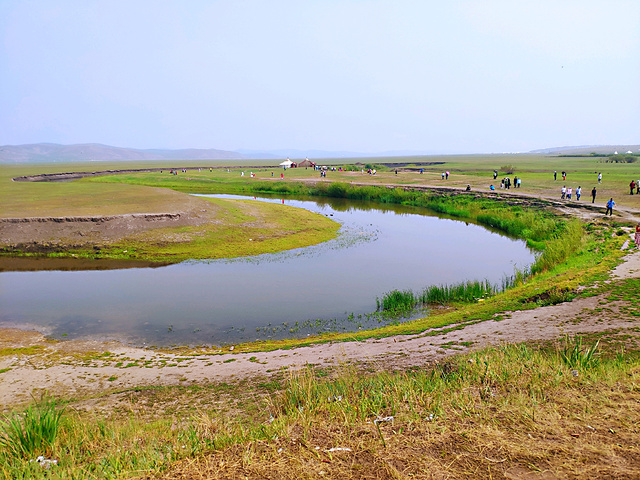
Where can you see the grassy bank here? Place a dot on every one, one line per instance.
(517, 406)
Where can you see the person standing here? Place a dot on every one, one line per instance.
(563, 192)
(638, 186)
(569, 193)
(578, 192)
(632, 186)
(637, 239)
(593, 195)
(555, 175)
(600, 177)
(610, 205)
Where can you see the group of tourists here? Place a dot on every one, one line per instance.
(567, 192)
(506, 183)
(555, 175)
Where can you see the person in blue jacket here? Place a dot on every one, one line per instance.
(610, 205)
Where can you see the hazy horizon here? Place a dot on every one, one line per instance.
(434, 77)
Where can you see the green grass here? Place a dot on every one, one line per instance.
(397, 301)
(576, 355)
(467, 292)
(470, 291)
(34, 432)
(475, 170)
(21, 350)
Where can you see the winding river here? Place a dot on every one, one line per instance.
(327, 287)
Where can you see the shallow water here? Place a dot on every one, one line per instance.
(332, 286)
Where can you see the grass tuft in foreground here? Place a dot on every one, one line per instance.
(34, 432)
(575, 355)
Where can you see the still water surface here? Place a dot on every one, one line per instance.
(332, 286)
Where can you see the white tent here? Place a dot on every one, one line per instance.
(286, 163)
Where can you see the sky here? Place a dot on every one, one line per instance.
(455, 76)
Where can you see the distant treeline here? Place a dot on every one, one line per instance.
(617, 158)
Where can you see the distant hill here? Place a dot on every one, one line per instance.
(52, 152)
(587, 149)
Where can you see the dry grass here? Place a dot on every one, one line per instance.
(526, 418)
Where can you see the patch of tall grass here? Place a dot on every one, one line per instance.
(33, 432)
(566, 242)
(470, 291)
(576, 355)
(397, 301)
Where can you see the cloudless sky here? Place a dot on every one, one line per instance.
(436, 76)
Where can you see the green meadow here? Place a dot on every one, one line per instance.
(563, 409)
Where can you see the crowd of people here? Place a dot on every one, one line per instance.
(506, 183)
(567, 192)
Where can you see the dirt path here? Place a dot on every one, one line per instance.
(77, 369)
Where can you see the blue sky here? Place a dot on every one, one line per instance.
(359, 75)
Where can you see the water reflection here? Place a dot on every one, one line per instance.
(332, 286)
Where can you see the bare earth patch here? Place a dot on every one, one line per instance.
(31, 233)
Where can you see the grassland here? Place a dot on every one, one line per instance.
(536, 172)
(205, 229)
(566, 408)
